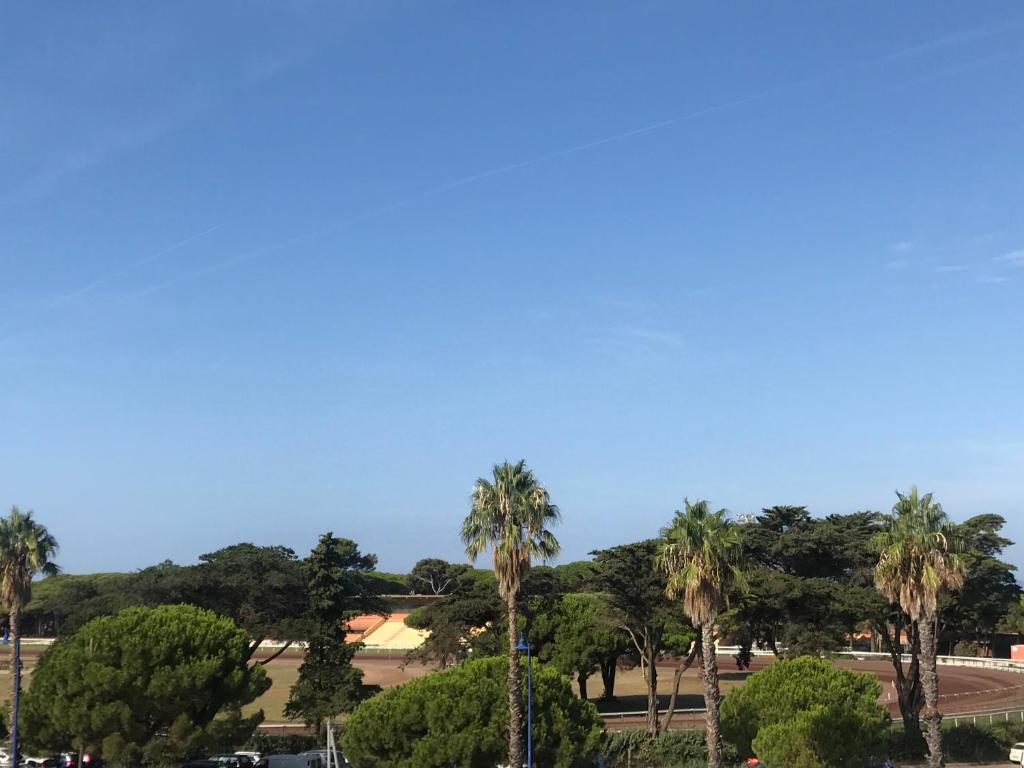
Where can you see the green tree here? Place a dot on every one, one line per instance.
(461, 623)
(456, 718)
(990, 587)
(807, 712)
(701, 554)
(262, 588)
(510, 516)
(61, 604)
(634, 587)
(154, 685)
(583, 637)
(919, 557)
(337, 589)
(26, 549)
(434, 576)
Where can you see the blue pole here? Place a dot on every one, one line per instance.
(529, 707)
(14, 702)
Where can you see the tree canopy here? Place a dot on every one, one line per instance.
(149, 685)
(807, 712)
(337, 589)
(458, 717)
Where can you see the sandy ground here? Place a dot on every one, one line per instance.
(963, 689)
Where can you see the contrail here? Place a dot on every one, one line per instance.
(58, 301)
(927, 46)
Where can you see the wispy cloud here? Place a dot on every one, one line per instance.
(952, 268)
(649, 335)
(992, 279)
(902, 246)
(897, 264)
(1016, 258)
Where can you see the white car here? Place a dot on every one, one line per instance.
(1017, 753)
(5, 757)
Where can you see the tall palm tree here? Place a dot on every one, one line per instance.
(919, 556)
(26, 549)
(510, 515)
(701, 554)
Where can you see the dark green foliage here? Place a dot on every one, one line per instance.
(577, 576)
(973, 744)
(967, 743)
(990, 588)
(817, 708)
(280, 743)
(337, 589)
(383, 583)
(582, 635)
(811, 581)
(61, 604)
(150, 685)
(433, 576)
(464, 621)
(672, 749)
(634, 588)
(459, 717)
(262, 588)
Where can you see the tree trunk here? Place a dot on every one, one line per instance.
(515, 701)
(712, 696)
(677, 676)
(581, 679)
(930, 684)
(908, 682)
(14, 624)
(653, 721)
(608, 669)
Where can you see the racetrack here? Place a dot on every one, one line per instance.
(963, 689)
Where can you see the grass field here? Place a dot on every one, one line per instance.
(962, 689)
(385, 669)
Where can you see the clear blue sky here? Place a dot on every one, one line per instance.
(268, 269)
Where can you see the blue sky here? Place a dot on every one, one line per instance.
(272, 269)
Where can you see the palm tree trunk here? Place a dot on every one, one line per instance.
(712, 696)
(515, 701)
(14, 623)
(930, 684)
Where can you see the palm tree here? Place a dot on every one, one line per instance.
(26, 549)
(919, 556)
(509, 515)
(701, 553)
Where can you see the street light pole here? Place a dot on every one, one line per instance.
(16, 671)
(523, 645)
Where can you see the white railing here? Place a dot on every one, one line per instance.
(979, 662)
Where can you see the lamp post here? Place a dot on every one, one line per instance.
(16, 671)
(523, 645)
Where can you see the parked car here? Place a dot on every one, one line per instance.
(41, 762)
(294, 761)
(201, 764)
(5, 758)
(254, 756)
(1017, 753)
(233, 761)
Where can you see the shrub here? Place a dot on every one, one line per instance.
(280, 743)
(673, 749)
(819, 708)
(460, 717)
(973, 744)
